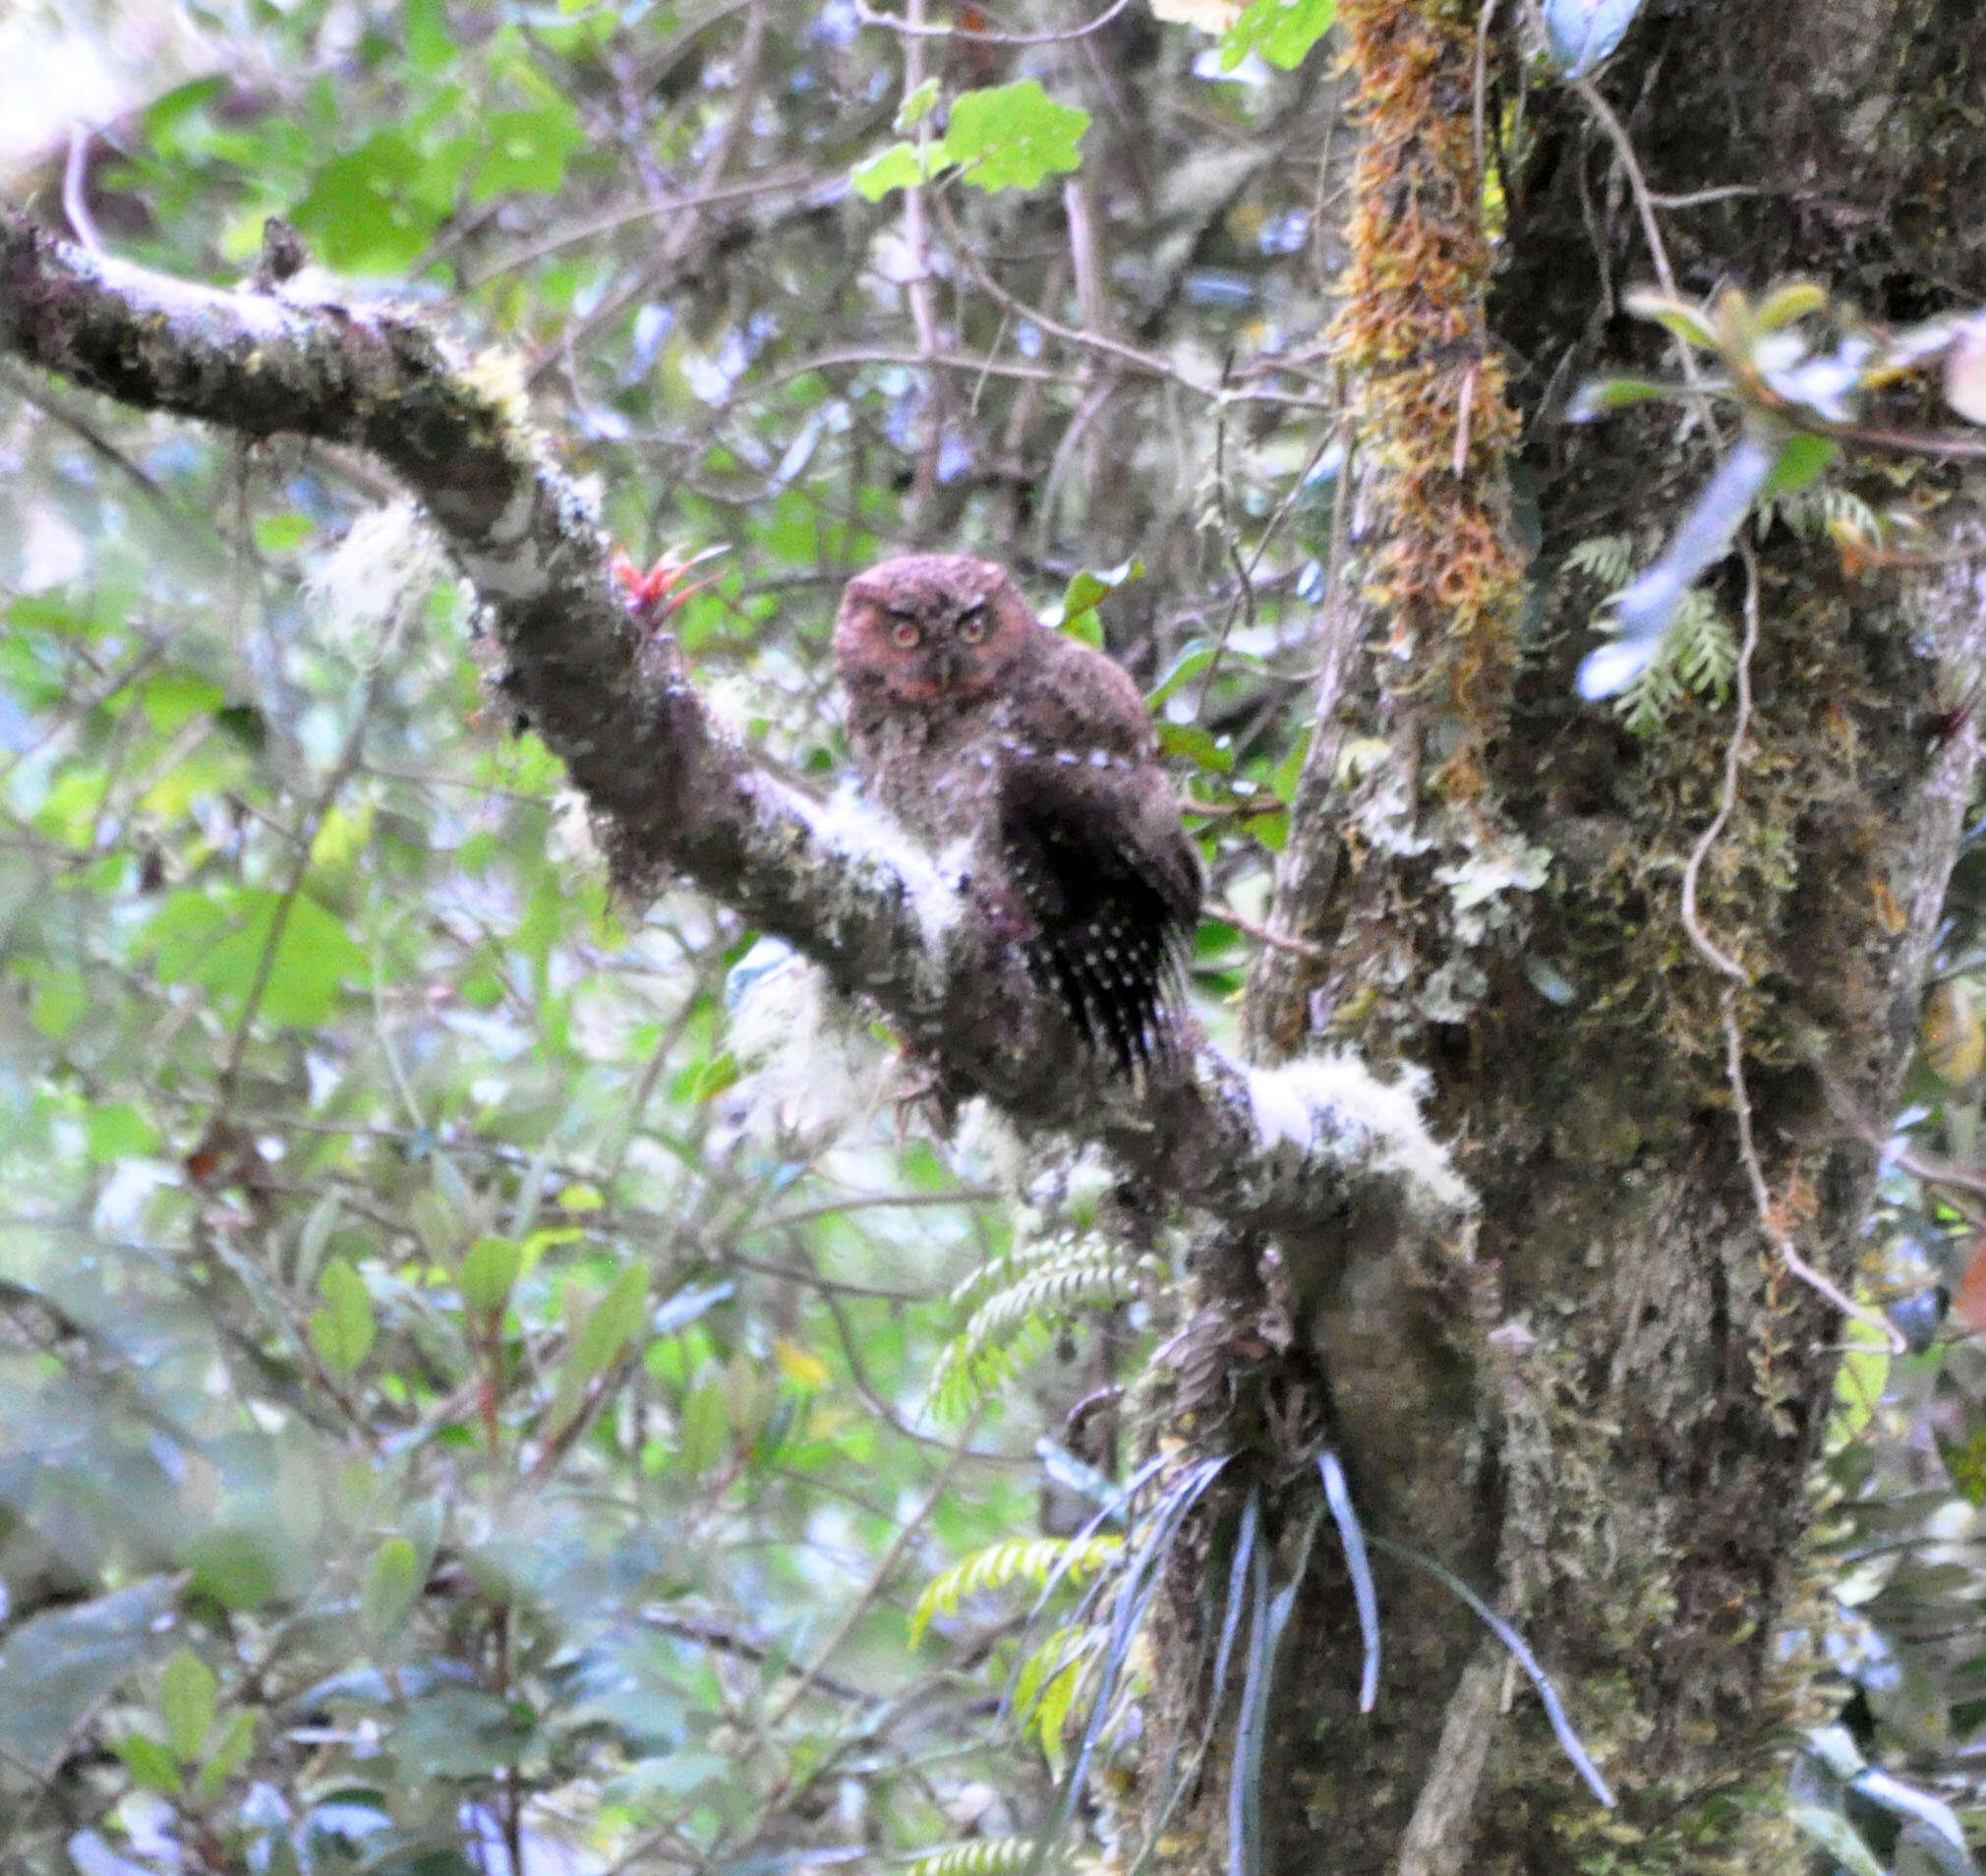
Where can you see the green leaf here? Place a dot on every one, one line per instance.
(282, 533)
(703, 1429)
(1196, 744)
(489, 1272)
(1013, 136)
(392, 1581)
(918, 106)
(59, 1665)
(215, 940)
(1281, 30)
(173, 698)
(1785, 304)
(1599, 396)
(1086, 589)
(150, 1764)
(115, 1130)
(612, 1323)
(525, 152)
(714, 1076)
(237, 1565)
(57, 999)
(673, 1775)
(365, 213)
(1838, 1838)
(1801, 459)
(897, 167)
(342, 1332)
(1686, 322)
(237, 1742)
(425, 25)
(461, 1734)
(186, 1697)
(1190, 662)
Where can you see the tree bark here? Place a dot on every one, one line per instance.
(1607, 1424)
(1593, 1389)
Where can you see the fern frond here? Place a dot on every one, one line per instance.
(1820, 508)
(1088, 1276)
(1031, 1561)
(1046, 1688)
(1605, 557)
(1698, 658)
(1002, 1272)
(968, 1376)
(1018, 1295)
(980, 1856)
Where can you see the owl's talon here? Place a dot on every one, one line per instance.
(909, 1085)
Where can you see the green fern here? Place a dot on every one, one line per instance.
(1047, 1686)
(1698, 658)
(1605, 557)
(1820, 508)
(1699, 654)
(1032, 1561)
(1086, 1276)
(982, 1857)
(1016, 1297)
(965, 1377)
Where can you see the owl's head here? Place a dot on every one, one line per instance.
(931, 629)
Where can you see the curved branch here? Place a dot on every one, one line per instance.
(676, 794)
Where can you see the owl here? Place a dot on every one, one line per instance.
(975, 723)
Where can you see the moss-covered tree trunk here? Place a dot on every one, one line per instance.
(1603, 1412)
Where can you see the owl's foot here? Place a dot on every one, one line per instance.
(914, 1089)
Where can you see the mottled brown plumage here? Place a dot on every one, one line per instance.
(972, 722)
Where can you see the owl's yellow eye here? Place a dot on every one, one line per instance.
(972, 629)
(904, 633)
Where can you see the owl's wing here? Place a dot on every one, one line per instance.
(1112, 887)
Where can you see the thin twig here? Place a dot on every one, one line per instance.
(1637, 183)
(1721, 961)
(1245, 596)
(914, 28)
(1692, 924)
(1482, 22)
(1278, 940)
(343, 771)
(923, 297)
(879, 1578)
(1762, 1196)
(615, 220)
(75, 181)
(1696, 198)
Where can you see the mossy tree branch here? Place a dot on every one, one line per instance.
(673, 791)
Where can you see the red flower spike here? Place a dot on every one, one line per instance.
(654, 595)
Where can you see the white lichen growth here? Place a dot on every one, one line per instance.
(369, 584)
(499, 373)
(873, 844)
(812, 1072)
(1336, 1107)
(1484, 889)
(573, 841)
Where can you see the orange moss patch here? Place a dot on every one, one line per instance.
(1434, 421)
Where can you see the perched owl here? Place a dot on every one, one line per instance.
(972, 721)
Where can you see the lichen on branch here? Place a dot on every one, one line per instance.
(671, 790)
